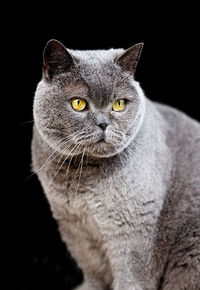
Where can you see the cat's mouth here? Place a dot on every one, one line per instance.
(102, 140)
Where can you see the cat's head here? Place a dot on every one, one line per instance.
(88, 101)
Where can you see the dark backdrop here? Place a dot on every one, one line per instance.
(168, 72)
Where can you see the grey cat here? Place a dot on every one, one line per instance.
(121, 173)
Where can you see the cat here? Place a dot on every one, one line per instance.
(121, 172)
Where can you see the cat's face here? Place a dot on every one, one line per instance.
(88, 102)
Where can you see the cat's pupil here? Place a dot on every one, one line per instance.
(119, 103)
(78, 102)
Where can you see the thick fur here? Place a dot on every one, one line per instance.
(127, 208)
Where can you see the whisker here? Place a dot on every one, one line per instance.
(131, 152)
(125, 157)
(62, 154)
(87, 158)
(81, 167)
(63, 151)
(48, 160)
(61, 164)
(56, 143)
(78, 166)
(44, 165)
(25, 123)
(69, 166)
(120, 157)
(75, 147)
(67, 138)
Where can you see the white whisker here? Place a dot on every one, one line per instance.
(132, 153)
(75, 147)
(69, 166)
(69, 138)
(120, 157)
(81, 167)
(87, 158)
(48, 160)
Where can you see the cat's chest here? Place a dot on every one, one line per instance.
(108, 194)
(93, 192)
(97, 203)
(94, 213)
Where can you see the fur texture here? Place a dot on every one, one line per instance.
(127, 199)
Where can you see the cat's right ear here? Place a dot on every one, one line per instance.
(56, 59)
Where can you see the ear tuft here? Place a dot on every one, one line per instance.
(129, 60)
(56, 59)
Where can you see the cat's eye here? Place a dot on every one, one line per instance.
(79, 104)
(119, 105)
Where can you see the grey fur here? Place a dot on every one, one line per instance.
(128, 207)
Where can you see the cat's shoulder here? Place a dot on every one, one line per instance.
(183, 137)
(179, 121)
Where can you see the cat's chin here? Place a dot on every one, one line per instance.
(103, 155)
(103, 150)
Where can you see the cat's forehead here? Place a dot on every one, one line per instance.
(96, 55)
(94, 65)
(98, 70)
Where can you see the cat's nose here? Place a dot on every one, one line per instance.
(103, 126)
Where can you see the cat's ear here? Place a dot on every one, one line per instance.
(129, 59)
(56, 59)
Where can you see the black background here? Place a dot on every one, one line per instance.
(168, 72)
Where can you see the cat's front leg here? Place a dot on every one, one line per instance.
(123, 276)
(183, 271)
(128, 266)
(124, 284)
(128, 287)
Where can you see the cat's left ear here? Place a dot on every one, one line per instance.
(56, 59)
(129, 59)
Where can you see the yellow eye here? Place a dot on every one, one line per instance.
(79, 104)
(119, 105)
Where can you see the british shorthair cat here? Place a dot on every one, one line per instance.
(121, 173)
